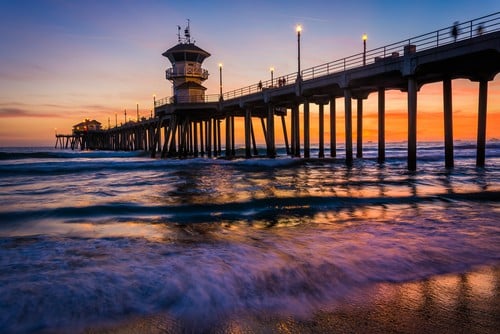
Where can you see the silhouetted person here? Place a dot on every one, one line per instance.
(454, 31)
(260, 85)
(480, 30)
(284, 81)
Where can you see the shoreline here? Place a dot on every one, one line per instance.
(450, 303)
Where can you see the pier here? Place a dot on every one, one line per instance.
(189, 123)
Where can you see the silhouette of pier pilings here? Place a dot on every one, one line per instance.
(72, 141)
(189, 129)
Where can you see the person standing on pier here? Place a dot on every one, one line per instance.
(454, 31)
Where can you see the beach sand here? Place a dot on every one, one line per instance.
(452, 303)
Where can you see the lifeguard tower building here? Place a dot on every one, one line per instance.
(190, 118)
(186, 72)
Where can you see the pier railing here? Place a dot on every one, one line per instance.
(464, 31)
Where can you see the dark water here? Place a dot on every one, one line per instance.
(93, 237)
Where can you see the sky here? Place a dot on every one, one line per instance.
(62, 61)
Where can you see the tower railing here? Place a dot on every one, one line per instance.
(187, 99)
(172, 73)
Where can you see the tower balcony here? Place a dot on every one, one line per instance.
(172, 73)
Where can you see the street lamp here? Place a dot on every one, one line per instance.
(116, 120)
(137, 112)
(154, 105)
(298, 29)
(272, 73)
(125, 116)
(220, 81)
(365, 37)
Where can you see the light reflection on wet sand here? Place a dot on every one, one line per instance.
(452, 303)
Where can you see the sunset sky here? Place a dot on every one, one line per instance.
(63, 61)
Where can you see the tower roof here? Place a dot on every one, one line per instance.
(186, 52)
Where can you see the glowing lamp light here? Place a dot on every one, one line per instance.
(365, 37)
(299, 29)
(220, 81)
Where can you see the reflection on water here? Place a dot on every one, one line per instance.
(222, 182)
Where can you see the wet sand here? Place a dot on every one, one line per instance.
(452, 303)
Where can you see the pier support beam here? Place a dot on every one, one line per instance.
(359, 128)
(228, 136)
(321, 100)
(321, 152)
(448, 123)
(271, 147)
(307, 140)
(195, 138)
(209, 137)
(171, 133)
(233, 151)
(156, 139)
(381, 125)
(348, 126)
(264, 131)
(219, 141)
(254, 143)
(295, 131)
(216, 143)
(481, 123)
(202, 141)
(248, 129)
(333, 128)
(412, 124)
(285, 134)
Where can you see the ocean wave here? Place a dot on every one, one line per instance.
(254, 209)
(66, 154)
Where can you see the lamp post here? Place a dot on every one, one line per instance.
(116, 120)
(272, 73)
(137, 112)
(220, 81)
(154, 105)
(125, 116)
(365, 37)
(298, 29)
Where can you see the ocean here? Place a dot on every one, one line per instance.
(93, 240)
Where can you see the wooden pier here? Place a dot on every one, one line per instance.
(190, 126)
